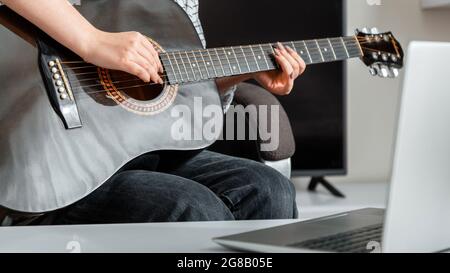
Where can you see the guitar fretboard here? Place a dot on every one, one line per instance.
(199, 65)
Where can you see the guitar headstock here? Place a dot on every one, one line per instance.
(381, 52)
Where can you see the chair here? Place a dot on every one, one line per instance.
(248, 94)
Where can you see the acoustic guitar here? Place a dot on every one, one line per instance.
(67, 126)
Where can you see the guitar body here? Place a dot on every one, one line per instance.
(44, 165)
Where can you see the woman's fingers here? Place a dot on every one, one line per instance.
(147, 56)
(286, 66)
(137, 70)
(300, 61)
(151, 50)
(151, 70)
(295, 65)
(287, 70)
(149, 59)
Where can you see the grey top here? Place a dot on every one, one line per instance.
(191, 9)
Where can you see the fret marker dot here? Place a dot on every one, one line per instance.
(229, 53)
(234, 67)
(301, 52)
(208, 63)
(259, 57)
(325, 49)
(193, 65)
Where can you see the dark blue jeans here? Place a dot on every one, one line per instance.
(171, 187)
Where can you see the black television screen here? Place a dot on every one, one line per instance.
(316, 107)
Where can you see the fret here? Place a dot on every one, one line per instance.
(220, 62)
(198, 65)
(228, 60)
(191, 65)
(272, 50)
(178, 66)
(184, 65)
(358, 45)
(314, 52)
(345, 47)
(270, 53)
(167, 66)
(264, 57)
(237, 61)
(332, 49)
(320, 51)
(245, 59)
(325, 50)
(300, 49)
(212, 64)
(352, 46)
(251, 59)
(338, 49)
(294, 47)
(309, 54)
(256, 60)
(204, 63)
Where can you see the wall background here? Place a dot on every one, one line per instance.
(373, 102)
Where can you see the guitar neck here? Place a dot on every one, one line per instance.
(199, 65)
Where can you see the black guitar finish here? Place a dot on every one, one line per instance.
(43, 164)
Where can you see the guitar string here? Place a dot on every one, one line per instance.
(183, 74)
(187, 73)
(219, 58)
(352, 39)
(125, 87)
(125, 76)
(187, 62)
(188, 55)
(134, 86)
(113, 82)
(184, 60)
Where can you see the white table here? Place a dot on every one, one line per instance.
(155, 237)
(176, 237)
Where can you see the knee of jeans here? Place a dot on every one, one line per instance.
(199, 205)
(272, 186)
(164, 200)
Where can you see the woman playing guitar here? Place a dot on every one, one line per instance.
(205, 187)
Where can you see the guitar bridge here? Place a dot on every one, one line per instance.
(60, 91)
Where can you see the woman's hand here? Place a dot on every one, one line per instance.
(281, 82)
(128, 51)
(131, 52)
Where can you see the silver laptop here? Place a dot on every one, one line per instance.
(417, 218)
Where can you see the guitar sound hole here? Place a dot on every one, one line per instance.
(134, 87)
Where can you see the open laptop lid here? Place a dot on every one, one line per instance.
(418, 216)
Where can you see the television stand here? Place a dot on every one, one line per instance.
(316, 181)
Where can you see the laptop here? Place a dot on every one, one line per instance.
(417, 217)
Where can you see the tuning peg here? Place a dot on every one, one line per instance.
(373, 71)
(374, 30)
(365, 30)
(393, 73)
(383, 71)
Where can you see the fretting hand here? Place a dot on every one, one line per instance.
(281, 82)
